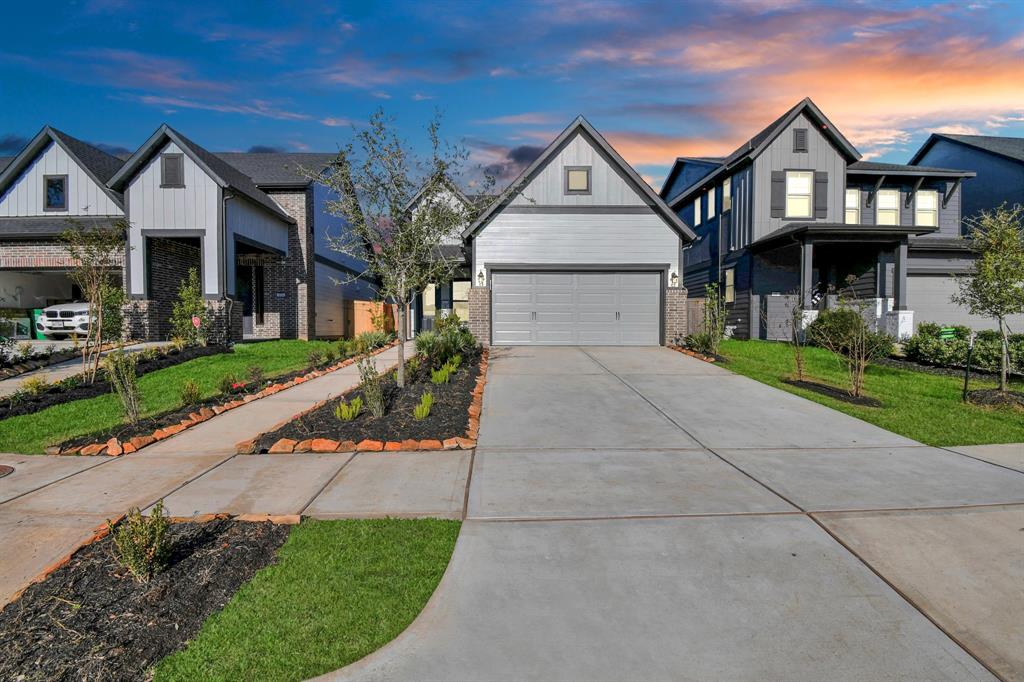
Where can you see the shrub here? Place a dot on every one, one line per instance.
(455, 361)
(438, 347)
(926, 347)
(25, 349)
(140, 542)
(227, 383)
(447, 324)
(412, 365)
(427, 344)
(35, 386)
(190, 304)
(120, 368)
(49, 350)
(422, 411)
(315, 358)
(346, 348)
(190, 393)
(178, 343)
(709, 338)
(149, 353)
(346, 412)
(843, 331)
(368, 341)
(373, 391)
(330, 355)
(255, 374)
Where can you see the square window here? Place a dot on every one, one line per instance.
(172, 168)
(577, 180)
(55, 192)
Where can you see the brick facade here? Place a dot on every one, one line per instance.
(225, 321)
(480, 314)
(675, 315)
(40, 254)
(292, 316)
(169, 263)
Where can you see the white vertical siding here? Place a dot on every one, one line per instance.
(85, 197)
(608, 188)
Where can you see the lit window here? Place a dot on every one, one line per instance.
(888, 211)
(729, 290)
(55, 192)
(926, 208)
(577, 180)
(853, 206)
(696, 211)
(726, 194)
(798, 194)
(460, 298)
(711, 203)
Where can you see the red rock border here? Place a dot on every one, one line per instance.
(693, 354)
(116, 448)
(321, 445)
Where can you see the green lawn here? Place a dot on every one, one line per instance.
(918, 405)
(340, 590)
(161, 391)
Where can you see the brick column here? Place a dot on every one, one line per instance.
(225, 321)
(295, 275)
(675, 315)
(480, 314)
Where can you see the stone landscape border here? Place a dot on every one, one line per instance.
(323, 445)
(16, 369)
(115, 447)
(693, 353)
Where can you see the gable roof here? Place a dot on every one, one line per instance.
(452, 187)
(710, 162)
(278, 170)
(222, 172)
(97, 164)
(1007, 147)
(4, 160)
(758, 143)
(582, 126)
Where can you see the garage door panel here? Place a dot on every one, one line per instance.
(510, 337)
(597, 280)
(553, 281)
(559, 298)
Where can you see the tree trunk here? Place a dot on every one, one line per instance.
(1004, 360)
(403, 316)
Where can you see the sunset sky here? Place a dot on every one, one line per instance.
(659, 80)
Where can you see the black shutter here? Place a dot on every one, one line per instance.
(799, 139)
(821, 195)
(778, 194)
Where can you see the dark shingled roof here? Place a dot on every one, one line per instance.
(102, 164)
(875, 167)
(50, 226)
(277, 169)
(4, 160)
(1010, 147)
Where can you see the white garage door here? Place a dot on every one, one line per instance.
(929, 297)
(576, 308)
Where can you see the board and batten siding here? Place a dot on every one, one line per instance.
(24, 198)
(608, 188)
(196, 206)
(568, 238)
(245, 219)
(821, 156)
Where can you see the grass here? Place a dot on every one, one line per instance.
(339, 591)
(161, 391)
(918, 405)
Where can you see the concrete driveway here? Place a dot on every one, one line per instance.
(637, 514)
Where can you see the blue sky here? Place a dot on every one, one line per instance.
(658, 79)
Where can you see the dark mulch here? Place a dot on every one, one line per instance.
(833, 392)
(64, 392)
(91, 620)
(993, 397)
(15, 366)
(449, 416)
(903, 363)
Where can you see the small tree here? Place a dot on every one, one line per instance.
(189, 307)
(709, 338)
(994, 287)
(95, 254)
(798, 336)
(375, 179)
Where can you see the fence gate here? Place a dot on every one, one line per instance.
(694, 315)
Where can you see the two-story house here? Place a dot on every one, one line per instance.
(794, 213)
(254, 227)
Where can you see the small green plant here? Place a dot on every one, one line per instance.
(227, 383)
(373, 391)
(179, 343)
(442, 375)
(149, 353)
(346, 348)
(25, 350)
(315, 358)
(189, 308)
(346, 412)
(35, 386)
(190, 392)
(422, 410)
(412, 365)
(255, 374)
(455, 362)
(140, 542)
(368, 341)
(49, 350)
(121, 373)
(330, 355)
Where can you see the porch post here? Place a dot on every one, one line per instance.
(806, 272)
(899, 285)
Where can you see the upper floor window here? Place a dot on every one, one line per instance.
(799, 139)
(55, 192)
(711, 203)
(696, 211)
(172, 170)
(888, 207)
(799, 190)
(926, 208)
(726, 194)
(577, 179)
(853, 206)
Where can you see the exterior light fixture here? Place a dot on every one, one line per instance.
(675, 279)
(480, 278)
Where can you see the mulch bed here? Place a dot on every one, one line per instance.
(993, 397)
(91, 620)
(833, 392)
(11, 367)
(903, 363)
(719, 359)
(60, 393)
(449, 416)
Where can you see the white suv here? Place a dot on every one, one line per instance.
(64, 319)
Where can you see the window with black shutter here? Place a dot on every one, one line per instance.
(799, 139)
(172, 170)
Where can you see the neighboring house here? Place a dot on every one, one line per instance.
(999, 165)
(253, 226)
(578, 250)
(794, 212)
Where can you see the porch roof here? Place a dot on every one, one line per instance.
(796, 232)
(45, 227)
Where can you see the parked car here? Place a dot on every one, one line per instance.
(64, 319)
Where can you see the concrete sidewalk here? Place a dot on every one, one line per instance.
(61, 370)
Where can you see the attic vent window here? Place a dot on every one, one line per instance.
(577, 179)
(172, 170)
(55, 192)
(800, 139)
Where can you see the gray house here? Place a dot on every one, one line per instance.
(578, 250)
(795, 212)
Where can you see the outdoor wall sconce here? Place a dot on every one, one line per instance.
(480, 278)
(674, 279)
